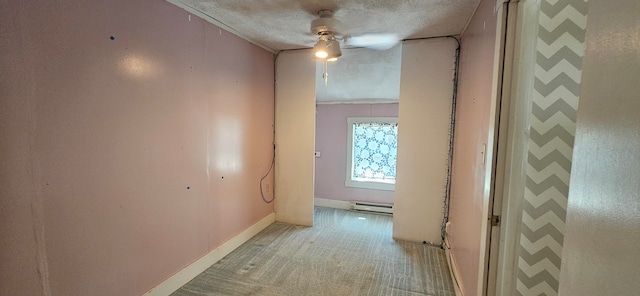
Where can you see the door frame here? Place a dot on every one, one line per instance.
(498, 129)
(518, 54)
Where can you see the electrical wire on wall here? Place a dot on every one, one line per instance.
(273, 162)
(273, 158)
(447, 193)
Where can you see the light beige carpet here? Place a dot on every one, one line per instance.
(345, 253)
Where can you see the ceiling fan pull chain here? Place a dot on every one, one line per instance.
(325, 73)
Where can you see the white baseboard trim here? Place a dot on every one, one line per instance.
(332, 203)
(453, 269)
(183, 276)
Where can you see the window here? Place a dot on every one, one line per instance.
(372, 146)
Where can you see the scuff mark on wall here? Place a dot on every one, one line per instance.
(41, 256)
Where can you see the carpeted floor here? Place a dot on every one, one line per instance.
(345, 253)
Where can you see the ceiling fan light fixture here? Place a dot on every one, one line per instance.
(334, 52)
(327, 50)
(321, 55)
(320, 50)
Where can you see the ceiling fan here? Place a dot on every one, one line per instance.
(329, 33)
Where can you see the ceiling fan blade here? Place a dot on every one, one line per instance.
(374, 41)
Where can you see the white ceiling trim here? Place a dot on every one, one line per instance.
(216, 22)
(464, 29)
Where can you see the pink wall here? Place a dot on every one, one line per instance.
(113, 152)
(331, 141)
(471, 131)
(600, 253)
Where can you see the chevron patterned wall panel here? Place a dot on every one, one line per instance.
(560, 47)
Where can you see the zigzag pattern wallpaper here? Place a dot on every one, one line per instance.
(560, 47)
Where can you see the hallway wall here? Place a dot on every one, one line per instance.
(424, 118)
(295, 136)
(133, 139)
(552, 97)
(600, 254)
(473, 133)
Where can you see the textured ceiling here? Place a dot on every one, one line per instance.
(361, 74)
(284, 24)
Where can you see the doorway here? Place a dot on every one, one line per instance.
(356, 130)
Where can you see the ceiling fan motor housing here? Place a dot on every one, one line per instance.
(325, 25)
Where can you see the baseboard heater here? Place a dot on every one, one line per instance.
(371, 207)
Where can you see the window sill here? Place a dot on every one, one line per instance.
(370, 185)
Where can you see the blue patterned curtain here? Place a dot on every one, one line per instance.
(375, 148)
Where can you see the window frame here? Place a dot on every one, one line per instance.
(375, 185)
